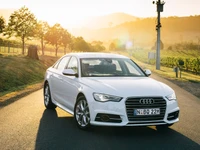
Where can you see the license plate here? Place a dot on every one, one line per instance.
(148, 111)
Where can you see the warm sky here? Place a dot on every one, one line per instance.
(72, 11)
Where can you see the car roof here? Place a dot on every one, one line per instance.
(96, 55)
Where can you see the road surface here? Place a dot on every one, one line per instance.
(26, 124)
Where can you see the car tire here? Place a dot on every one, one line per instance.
(82, 113)
(165, 126)
(47, 98)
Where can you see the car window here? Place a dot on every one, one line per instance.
(63, 63)
(109, 67)
(132, 68)
(73, 64)
(56, 64)
(118, 67)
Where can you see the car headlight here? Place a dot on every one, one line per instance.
(171, 97)
(104, 97)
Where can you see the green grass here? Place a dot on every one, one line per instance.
(17, 72)
(142, 55)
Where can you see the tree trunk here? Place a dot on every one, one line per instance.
(33, 52)
(23, 45)
(42, 45)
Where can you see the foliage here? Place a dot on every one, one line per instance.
(79, 44)
(10, 43)
(112, 46)
(118, 44)
(21, 24)
(41, 29)
(66, 39)
(171, 58)
(97, 46)
(192, 65)
(185, 46)
(57, 36)
(2, 24)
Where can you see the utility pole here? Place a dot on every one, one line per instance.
(159, 5)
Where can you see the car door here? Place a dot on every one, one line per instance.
(57, 80)
(71, 85)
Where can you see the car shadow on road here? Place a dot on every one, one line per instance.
(62, 133)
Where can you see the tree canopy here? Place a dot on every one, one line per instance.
(53, 36)
(2, 24)
(21, 24)
(66, 39)
(41, 29)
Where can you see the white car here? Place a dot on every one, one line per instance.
(108, 90)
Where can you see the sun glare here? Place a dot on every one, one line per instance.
(72, 12)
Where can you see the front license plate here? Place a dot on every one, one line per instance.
(149, 111)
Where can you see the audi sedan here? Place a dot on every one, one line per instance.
(108, 90)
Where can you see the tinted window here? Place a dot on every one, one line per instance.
(73, 64)
(63, 63)
(132, 69)
(110, 67)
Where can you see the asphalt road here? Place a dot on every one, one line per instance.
(26, 124)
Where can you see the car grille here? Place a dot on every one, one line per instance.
(134, 103)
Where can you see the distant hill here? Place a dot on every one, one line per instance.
(6, 13)
(143, 31)
(106, 21)
(140, 31)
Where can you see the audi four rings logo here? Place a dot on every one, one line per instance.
(146, 101)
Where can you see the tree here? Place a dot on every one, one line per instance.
(97, 46)
(112, 46)
(21, 24)
(79, 44)
(2, 24)
(40, 31)
(54, 36)
(65, 39)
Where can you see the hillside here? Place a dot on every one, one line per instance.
(143, 33)
(106, 21)
(19, 71)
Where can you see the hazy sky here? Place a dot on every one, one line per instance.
(72, 11)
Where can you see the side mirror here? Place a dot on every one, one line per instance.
(147, 72)
(69, 72)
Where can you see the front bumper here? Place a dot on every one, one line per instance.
(115, 114)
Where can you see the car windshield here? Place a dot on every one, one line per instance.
(110, 67)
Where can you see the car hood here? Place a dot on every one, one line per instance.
(127, 86)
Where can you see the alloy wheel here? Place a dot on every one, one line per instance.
(82, 113)
(46, 95)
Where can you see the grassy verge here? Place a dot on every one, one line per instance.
(19, 72)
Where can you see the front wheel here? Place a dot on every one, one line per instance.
(81, 113)
(47, 98)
